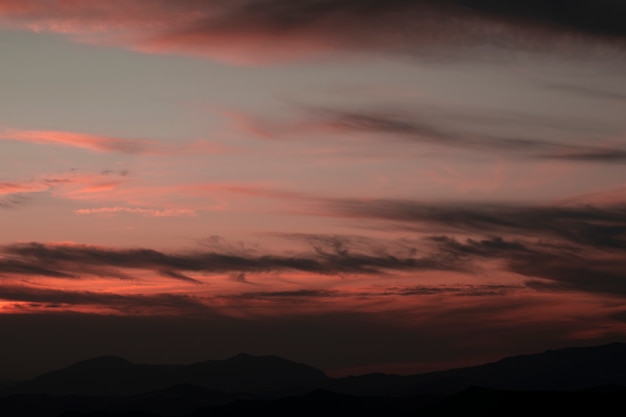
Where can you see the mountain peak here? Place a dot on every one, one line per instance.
(242, 355)
(106, 361)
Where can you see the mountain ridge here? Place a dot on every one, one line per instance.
(113, 375)
(572, 368)
(590, 378)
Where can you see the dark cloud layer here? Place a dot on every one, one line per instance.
(304, 27)
(72, 261)
(600, 227)
(129, 304)
(353, 18)
(548, 267)
(580, 248)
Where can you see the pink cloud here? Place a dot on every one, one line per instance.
(110, 144)
(265, 31)
(78, 140)
(64, 185)
(140, 211)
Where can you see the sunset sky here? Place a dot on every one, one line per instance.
(361, 185)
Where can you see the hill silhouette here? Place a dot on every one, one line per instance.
(110, 375)
(568, 369)
(579, 378)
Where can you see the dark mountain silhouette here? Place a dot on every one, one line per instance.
(111, 375)
(569, 369)
(570, 379)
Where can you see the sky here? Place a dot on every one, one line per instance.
(395, 186)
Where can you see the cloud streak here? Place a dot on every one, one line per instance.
(79, 140)
(601, 227)
(37, 298)
(451, 130)
(68, 184)
(140, 211)
(107, 144)
(75, 260)
(242, 31)
(565, 248)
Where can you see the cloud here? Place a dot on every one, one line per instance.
(555, 248)
(590, 274)
(70, 184)
(548, 267)
(594, 226)
(76, 260)
(293, 296)
(108, 144)
(20, 267)
(129, 303)
(460, 130)
(79, 140)
(549, 260)
(140, 211)
(472, 290)
(12, 200)
(315, 295)
(270, 30)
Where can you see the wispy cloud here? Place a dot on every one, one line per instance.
(581, 248)
(603, 227)
(244, 31)
(108, 144)
(79, 140)
(450, 129)
(65, 260)
(67, 184)
(315, 295)
(45, 298)
(140, 211)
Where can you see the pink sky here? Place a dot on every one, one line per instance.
(357, 185)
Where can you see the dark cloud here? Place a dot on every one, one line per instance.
(477, 290)
(550, 267)
(599, 17)
(130, 304)
(306, 27)
(295, 296)
(492, 247)
(25, 267)
(65, 261)
(600, 227)
(565, 272)
(574, 248)
(316, 295)
(446, 131)
(179, 276)
(416, 22)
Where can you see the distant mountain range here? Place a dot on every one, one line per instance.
(110, 375)
(112, 386)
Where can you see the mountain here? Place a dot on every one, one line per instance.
(569, 369)
(579, 378)
(110, 375)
